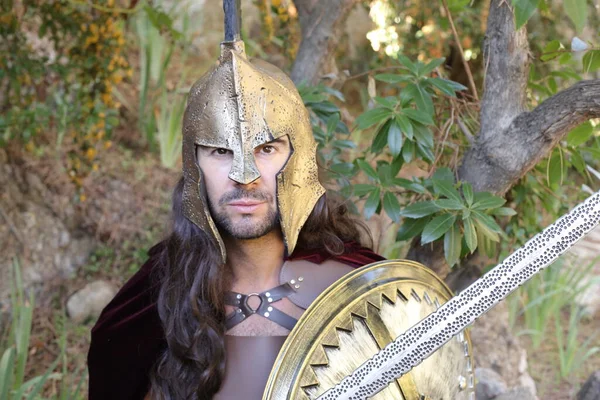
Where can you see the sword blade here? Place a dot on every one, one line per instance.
(418, 342)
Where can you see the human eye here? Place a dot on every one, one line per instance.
(219, 151)
(268, 149)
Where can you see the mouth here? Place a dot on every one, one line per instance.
(245, 206)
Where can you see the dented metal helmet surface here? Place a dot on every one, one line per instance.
(238, 105)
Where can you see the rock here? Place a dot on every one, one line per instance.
(89, 301)
(518, 393)
(489, 384)
(35, 236)
(495, 348)
(591, 388)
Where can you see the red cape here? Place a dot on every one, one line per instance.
(128, 337)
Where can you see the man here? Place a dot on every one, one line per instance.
(255, 240)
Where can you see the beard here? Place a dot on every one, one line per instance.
(248, 228)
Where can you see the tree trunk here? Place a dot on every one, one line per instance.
(321, 23)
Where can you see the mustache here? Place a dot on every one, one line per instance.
(240, 193)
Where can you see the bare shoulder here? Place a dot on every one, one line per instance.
(309, 280)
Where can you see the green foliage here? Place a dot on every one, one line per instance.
(160, 111)
(66, 86)
(401, 132)
(15, 350)
(542, 303)
(572, 354)
(464, 220)
(576, 10)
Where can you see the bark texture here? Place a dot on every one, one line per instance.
(511, 139)
(321, 23)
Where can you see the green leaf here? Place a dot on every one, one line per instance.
(392, 78)
(433, 64)
(326, 107)
(419, 210)
(405, 126)
(391, 206)
(385, 173)
(578, 161)
(423, 135)
(407, 151)
(577, 11)
(555, 168)
(387, 102)
(6, 369)
(446, 188)
(470, 234)
(486, 225)
(396, 166)
(410, 185)
(448, 204)
(452, 245)
(444, 86)
(411, 228)
(504, 212)
(591, 61)
(367, 168)
(417, 115)
(372, 203)
(551, 50)
(408, 64)
(488, 202)
(381, 138)
(394, 138)
(332, 123)
(580, 134)
(344, 144)
(565, 58)
(524, 9)
(421, 97)
(361, 189)
(426, 152)
(372, 117)
(343, 168)
(437, 227)
(467, 189)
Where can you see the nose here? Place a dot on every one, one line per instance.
(243, 169)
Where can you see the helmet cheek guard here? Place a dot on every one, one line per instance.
(239, 105)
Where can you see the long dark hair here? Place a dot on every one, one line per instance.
(190, 303)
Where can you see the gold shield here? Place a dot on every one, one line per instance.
(355, 318)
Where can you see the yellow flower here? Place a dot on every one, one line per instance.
(90, 153)
(117, 79)
(105, 98)
(101, 115)
(275, 3)
(107, 144)
(29, 146)
(83, 27)
(94, 29)
(94, 167)
(129, 73)
(82, 198)
(110, 3)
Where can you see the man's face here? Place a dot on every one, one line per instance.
(244, 211)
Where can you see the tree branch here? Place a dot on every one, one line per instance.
(497, 161)
(321, 23)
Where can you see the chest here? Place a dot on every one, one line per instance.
(257, 325)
